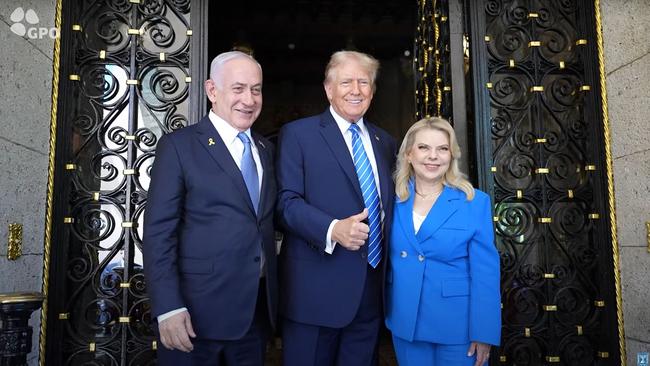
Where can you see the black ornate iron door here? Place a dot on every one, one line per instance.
(548, 172)
(125, 81)
(541, 149)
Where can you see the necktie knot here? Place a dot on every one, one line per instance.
(244, 138)
(354, 128)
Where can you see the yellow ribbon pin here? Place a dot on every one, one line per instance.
(210, 141)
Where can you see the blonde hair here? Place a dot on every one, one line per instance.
(367, 62)
(404, 171)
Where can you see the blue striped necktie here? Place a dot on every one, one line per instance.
(370, 196)
(249, 170)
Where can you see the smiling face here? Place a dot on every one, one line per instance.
(430, 156)
(350, 90)
(237, 94)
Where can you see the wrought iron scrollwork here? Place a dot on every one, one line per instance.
(131, 61)
(432, 60)
(544, 193)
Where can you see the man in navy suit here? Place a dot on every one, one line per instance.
(209, 248)
(335, 197)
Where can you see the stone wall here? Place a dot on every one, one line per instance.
(25, 106)
(626, 33)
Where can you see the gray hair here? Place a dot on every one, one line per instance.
(367, 62)
(217, 64)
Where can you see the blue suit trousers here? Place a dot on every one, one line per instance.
(418, 353)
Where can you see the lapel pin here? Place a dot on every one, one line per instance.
(261, 144)
(210, 141)
(376, 137)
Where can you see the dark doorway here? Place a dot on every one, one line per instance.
(293, 39)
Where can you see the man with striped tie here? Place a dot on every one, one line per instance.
(335, 198)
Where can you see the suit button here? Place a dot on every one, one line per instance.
(403, 254)
(257, 259)
(421, 258)
(364, 255)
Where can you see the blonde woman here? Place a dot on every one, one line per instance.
(443, 299)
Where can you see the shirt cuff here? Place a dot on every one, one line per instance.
(329, 243)
(169, 314)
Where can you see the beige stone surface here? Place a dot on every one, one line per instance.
(25, 96)
(25, 92)
(23, 178)
(44, 10)
(626, 31)
(635, 286)
(26, 73)
(21, 275)
(633, 348)
(626, 34)
(631, 186)
(628, 91)
(35, 323)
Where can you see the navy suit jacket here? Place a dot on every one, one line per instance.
(202, 239)
(443, 282)
(317, 184)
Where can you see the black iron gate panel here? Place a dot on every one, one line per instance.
(125, 81)
(549, 177)
(431, 60)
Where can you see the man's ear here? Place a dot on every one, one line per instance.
(328, 90)
(210, 88)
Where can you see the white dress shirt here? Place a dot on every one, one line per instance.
(344, 126)
(236, 148)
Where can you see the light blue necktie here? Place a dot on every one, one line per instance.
(249, 171)
(370, 196)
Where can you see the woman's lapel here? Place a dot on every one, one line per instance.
(446, 205)
(404, 212)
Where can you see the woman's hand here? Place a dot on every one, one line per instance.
(482, 351)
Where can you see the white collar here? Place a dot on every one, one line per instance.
(344, 125)
(227, 132)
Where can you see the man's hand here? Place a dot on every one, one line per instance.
(175, 332)
(482, 351)
(351, 232)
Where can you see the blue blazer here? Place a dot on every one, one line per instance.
(317, 184)
(443, 283)
(202, 238)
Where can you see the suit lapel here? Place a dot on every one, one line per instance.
(332, 135)
(404, 212)
(445, 206)
(266, 161)
(210, 139)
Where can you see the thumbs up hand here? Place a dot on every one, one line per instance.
(352, 232)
